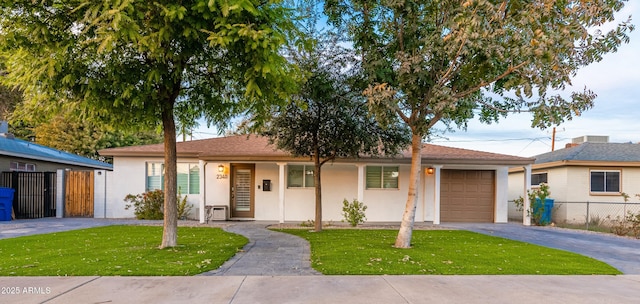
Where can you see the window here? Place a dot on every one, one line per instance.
(300, 176)
(380, 177)
(24, 167)
(538, 178)
(605, 181)
(188, 177)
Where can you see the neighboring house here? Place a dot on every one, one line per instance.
(253, 180)
(590, 169)
(25, 156)
(49, 182)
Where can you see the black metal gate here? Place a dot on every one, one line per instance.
(35, 193)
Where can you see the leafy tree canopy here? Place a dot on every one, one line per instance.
(329, 117)
(9, 98)
(431, 61)
(134, 62)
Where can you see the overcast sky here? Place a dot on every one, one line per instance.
(616, 81)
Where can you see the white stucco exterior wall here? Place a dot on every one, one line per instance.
(339, 181)
(100, 193)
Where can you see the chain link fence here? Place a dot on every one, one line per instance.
(595, 216)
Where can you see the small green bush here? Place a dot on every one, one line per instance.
(150, 205)
(147, 206)
(183, 207)
(536, 203)
(353, 212)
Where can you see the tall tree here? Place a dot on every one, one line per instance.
(445, 61)
(328, 117)
(9, 98)
(131, 62)
(65, 129)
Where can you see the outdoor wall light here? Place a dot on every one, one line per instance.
(430, 170)
(220, 168)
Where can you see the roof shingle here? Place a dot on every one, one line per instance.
(252, 147)
(589, 151)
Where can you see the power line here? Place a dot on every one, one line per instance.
(494, 140)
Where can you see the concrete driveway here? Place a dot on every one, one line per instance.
(622, 253)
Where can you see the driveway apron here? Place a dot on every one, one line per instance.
(268, 253)
(622, 253)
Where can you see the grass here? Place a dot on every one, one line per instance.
(448, 252)
(117, 251)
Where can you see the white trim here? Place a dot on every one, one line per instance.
(361, 182)
(526, 217)
(436, 194)
(281, 188)
(203, 189)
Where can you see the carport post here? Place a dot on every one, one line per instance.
(361, 182)
(436, 195)
(203, 189)
(281, 167)
(526, 205)
(60, 175)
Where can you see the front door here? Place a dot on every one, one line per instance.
(242, 184)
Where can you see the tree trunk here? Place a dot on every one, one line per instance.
(170, 231)
(408, 218)
(318, 186)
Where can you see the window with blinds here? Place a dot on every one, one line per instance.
(188, 177)
(382, 177)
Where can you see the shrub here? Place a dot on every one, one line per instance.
(183, 207)
(150, 205)
(627, 225)
(147, 206)
(537, 198)
(353, 212)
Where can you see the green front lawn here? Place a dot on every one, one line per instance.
(117, 250)
(346, 251)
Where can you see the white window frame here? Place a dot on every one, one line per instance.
(189, 190)
(22, 167)
(307, 170)
(392, 171)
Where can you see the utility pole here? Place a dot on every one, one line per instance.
(553, 140)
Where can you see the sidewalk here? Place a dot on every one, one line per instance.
(323, 289)
(274, 268)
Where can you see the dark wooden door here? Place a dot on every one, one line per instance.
(242, 190)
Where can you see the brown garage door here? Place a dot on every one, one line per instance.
(467, 196)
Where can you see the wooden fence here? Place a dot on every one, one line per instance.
(78, 194)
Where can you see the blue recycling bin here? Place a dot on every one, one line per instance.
(6, 203)
(545, 213)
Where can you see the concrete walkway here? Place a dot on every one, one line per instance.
(622, 253)
(268, 253)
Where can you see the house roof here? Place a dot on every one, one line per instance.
(14, 147)
(257, 148)
(596, 152)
